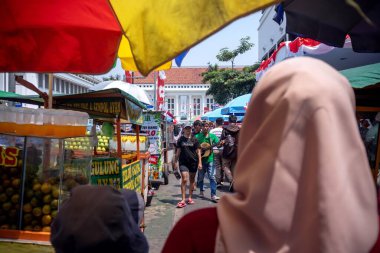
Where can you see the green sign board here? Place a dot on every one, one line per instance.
(106, 171)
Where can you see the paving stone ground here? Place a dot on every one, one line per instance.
(162, 214)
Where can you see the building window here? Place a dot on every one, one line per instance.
(61, 86)
(196, 106)
(46, 78)
(210, 103)
(55, 81)
(170, 104)
(40, 80)
(67, 87)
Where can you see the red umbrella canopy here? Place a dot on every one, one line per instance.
(51, 31)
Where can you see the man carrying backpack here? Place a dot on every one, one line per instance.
(230, 139)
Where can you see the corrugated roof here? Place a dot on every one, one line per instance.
(183, 75)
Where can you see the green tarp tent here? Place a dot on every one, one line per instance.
(366, 83)
(363, 76)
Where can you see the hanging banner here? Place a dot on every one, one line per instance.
(152, 126)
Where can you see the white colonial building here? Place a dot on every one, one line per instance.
(185, 94)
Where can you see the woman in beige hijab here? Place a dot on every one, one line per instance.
(302, 182)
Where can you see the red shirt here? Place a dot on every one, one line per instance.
(195, 232)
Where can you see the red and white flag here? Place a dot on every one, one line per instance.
(128, 76)
(160, 90)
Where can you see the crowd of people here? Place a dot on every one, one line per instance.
(301, 183)
(204, 149)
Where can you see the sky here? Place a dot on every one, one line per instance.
(205, 52)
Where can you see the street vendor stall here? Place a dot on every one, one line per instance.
(115, 107)
(366, 83)
(45, 159)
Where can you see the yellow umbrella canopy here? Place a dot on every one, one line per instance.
(158, 31)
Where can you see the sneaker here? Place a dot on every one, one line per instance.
(215, 198)
(201, 194)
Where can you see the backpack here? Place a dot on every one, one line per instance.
(230, 145)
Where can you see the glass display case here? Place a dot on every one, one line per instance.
(36, 175)
(128, 143)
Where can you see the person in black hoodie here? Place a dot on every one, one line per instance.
(230, 139)
(97, 219)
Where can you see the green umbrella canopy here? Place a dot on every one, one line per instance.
(363, 76)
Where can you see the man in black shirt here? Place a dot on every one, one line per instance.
(188, 154)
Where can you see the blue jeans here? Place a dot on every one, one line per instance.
(207, 167)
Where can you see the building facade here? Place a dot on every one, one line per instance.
(63, 83)
(270, 33)
(185, 94)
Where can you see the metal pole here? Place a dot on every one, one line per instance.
(154, 91)
(50, 105)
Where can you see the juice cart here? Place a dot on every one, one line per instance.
(36, 172)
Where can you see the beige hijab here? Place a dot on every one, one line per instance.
(302, 180)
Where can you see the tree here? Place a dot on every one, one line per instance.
(227, 84)
(112, 78)
(226, 55)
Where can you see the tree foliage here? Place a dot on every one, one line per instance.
(226, 55)
(227, 84)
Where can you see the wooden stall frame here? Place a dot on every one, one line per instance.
(25, 235)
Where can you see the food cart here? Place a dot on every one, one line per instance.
(43, 163)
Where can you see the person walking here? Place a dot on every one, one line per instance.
(197, 127)
(188, 156)
(230, 139)
(207, 140)
(217, 150)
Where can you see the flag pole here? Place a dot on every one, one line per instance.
(154, 91)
